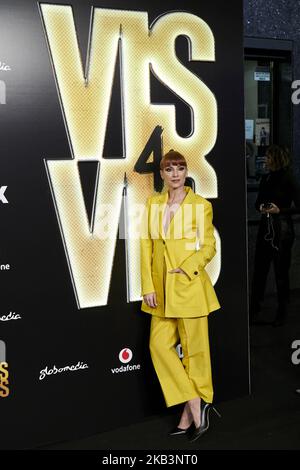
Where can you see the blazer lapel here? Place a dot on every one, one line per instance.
(163, 198)
(162, 206)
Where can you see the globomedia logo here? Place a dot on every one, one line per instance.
(125, 356)
(10, 316)
(58, 370)
(4, 390)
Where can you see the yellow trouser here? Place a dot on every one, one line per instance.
(187, 379)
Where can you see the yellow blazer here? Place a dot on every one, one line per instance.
(184, 296)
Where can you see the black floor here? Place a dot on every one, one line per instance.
(269, 419)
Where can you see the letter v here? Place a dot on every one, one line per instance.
(85, 100)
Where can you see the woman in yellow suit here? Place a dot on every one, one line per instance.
(178, 293)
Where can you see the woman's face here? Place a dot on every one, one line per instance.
(174, 175)
(269, 162)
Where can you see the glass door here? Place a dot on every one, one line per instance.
(268, 115)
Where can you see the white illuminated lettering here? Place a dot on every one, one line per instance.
(85, 97)
(4, 267)
(2, 196)
(2, 351)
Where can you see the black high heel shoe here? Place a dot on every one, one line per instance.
(204, 414)
(179, 431)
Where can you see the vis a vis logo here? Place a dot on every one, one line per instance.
(123, 43)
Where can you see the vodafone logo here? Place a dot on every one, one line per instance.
(125, 355)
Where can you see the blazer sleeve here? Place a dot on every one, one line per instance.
(199, 259)
(146, 250)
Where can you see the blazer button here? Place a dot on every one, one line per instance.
(195, 272)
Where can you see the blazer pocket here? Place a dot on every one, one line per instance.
(181, 276)
(186, 292)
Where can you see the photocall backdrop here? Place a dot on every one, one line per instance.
(90, 91)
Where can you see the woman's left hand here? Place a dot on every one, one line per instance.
(274, 209)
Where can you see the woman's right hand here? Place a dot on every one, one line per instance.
(150, 299)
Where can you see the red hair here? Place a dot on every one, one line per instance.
(172, 158)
